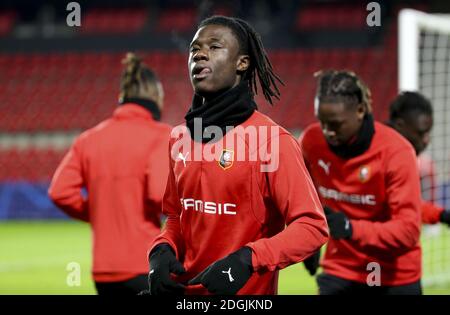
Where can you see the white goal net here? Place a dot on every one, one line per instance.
(424, 66)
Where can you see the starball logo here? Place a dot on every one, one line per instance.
(252, 143)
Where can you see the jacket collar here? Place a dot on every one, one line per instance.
(131, 110)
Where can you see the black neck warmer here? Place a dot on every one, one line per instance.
(360, 144)
(146, 103)
(229, 109)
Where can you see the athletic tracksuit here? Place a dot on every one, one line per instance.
(217, 205)
(379, 192)
(431, 212)
(122, 162)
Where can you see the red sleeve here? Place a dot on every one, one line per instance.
(304, 149)
(171, 207)
(431, 213)
(402, 231)
(156, 174)
(293, 194)
(66, 185)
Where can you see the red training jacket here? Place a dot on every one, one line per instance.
(122, 162)
(379, 191)
(431, 212)
(216, 206)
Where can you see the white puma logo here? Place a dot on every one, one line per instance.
(229, 274)
(183, 158)
(325, 166)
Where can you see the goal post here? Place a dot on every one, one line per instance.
(410, 23)
(424, 66)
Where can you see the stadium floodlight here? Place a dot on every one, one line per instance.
(424, 66)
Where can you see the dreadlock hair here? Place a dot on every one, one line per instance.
(343, 86)
(134, 75)
(250, 44)
(408, 103)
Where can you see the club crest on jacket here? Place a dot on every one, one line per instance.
(364, 173)
(226, 159)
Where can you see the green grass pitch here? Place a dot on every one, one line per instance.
(34, 256)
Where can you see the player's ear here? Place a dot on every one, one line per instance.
(399, 123)
(243, 63)
(360, 111)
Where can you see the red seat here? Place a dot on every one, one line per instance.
(331, 16)
(7, 21)
(114, 21)
(30, 164)
(177, 20)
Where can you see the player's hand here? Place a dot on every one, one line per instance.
(228, 275)
(312, 263)
(338, 223)
(445, 217)
(162, 263)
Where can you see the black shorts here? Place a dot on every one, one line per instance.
(332, 285)
(128, 287)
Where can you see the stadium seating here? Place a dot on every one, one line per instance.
(114, 21)
(331, 16)
(177, 20)
(34, 165)
(7, 20)
(73, 91)
(70, 91)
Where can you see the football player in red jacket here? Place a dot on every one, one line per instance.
(367, 179)
(411, 114)
(122, 162)
(239, 214)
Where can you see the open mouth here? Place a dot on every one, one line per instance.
(200, 72)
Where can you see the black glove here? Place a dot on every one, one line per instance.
(338, 223)
(162, 263)
(445, 217)
(312, 263)
(228, 275)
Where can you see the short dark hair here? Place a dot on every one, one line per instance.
(407, 103)
(250, 44)
(343, 86)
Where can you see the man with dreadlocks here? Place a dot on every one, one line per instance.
(367, 178)
(228, 234)
(122, 163)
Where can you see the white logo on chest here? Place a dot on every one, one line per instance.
(183, 158)
(325, 166)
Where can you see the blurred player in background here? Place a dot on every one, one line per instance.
(367, 178)
(228, 235)
(411, 114)
(122, 162)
